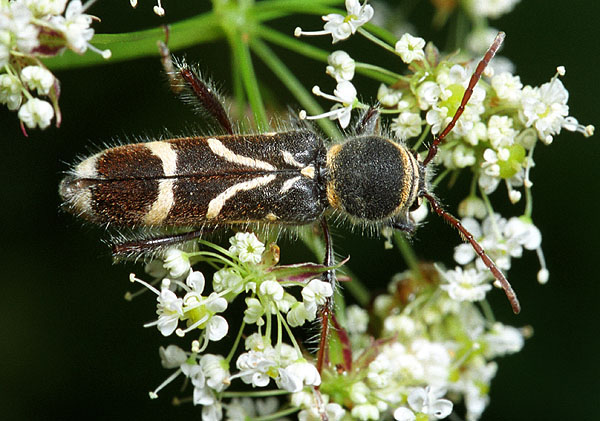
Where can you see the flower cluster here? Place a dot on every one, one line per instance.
(494, 138)
(247, 269)
(29, 31)
(433, 346)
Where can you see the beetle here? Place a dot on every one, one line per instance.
(282, 178)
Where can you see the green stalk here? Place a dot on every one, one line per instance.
(407, 253)
(377, 41)
(248, 76)
(304, 97)
(131, 45)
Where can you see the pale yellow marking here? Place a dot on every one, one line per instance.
(270, 134)
(410, 180)
(215, 205)
(162, 205)
(288, 158)
(221, 150)
(332, 195)
(167, 155)
(308, 171)
(82, 202)
(87, 167)
(288, 184)
(271, 216)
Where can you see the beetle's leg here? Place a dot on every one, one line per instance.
(369, 123)
(201, 94)
(405, 225)
(141, 246)
(327, 308)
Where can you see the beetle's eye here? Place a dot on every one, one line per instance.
(416, 204)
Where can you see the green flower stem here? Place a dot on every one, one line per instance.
(291, 43)
(236, 343)
(255, 393)
(424, 134)
(408, 253)
(138, 44)
(377, 41)
(379, 73)
(248, 76)
(528, 195)
(381, 33)
(304, 97)
(267, 10)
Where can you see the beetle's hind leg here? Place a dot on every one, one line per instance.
(327, 308)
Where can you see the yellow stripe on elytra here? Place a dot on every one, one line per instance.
(162, 205)
(167, 155)
(215, 205)
(221, 150)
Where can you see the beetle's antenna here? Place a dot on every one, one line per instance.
(491, 52)
(187, 82)
(466, 235)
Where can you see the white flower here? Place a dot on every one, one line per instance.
(256, 367)
(172, 356)
(365, 412)
(333, 411)
(271, 290)
(169, 310)
(524, 233)
(502, 340)
(316, 294)
(247, 247)
(507, 87)
(36, 112)
(388, 97)
(491, 8)
(480, 39)
(407, 125)
(433, 359)
(177, 263)
(341, 66)
(215, 369)
(500, 131)
(357, 319)
(345, 94)
(37, 77)
(10, 91)
(428, 94)
(545, 108)
(473, 207)
(429, 401)
(295, 376)
(404, 414)
(228, 278)
(341, 27)
(298, 314)
(17, 20)
(254, 311)
(41, 8)
(466, 285)
(410, 48)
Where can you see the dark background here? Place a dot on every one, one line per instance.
(72, 347)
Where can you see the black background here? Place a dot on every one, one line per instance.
(72, 347)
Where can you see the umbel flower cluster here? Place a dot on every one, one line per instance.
(31, 30)
(429, 343)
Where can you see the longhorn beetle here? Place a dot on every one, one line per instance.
(286, 178)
